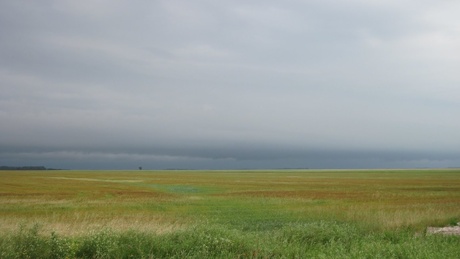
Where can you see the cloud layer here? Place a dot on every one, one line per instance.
(230, 84)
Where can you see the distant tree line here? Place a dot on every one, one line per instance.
(24, 168)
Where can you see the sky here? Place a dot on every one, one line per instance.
(176, 84)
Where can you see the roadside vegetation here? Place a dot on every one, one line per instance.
(228, 214)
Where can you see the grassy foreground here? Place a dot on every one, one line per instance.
(228, 214)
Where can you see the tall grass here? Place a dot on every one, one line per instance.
(322, 239)
(228, 214)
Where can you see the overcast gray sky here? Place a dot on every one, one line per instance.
(230, 84)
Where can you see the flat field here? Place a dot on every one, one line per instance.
(256, 213)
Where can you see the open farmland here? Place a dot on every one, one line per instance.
(279, 213)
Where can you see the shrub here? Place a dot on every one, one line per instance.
(28, 243)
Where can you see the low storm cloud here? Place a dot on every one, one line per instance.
(230, 84)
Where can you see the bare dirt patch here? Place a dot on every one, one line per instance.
(452, 230)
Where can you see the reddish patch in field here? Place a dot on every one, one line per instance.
(141, 194)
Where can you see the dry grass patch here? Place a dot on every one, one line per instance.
(156, 199)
